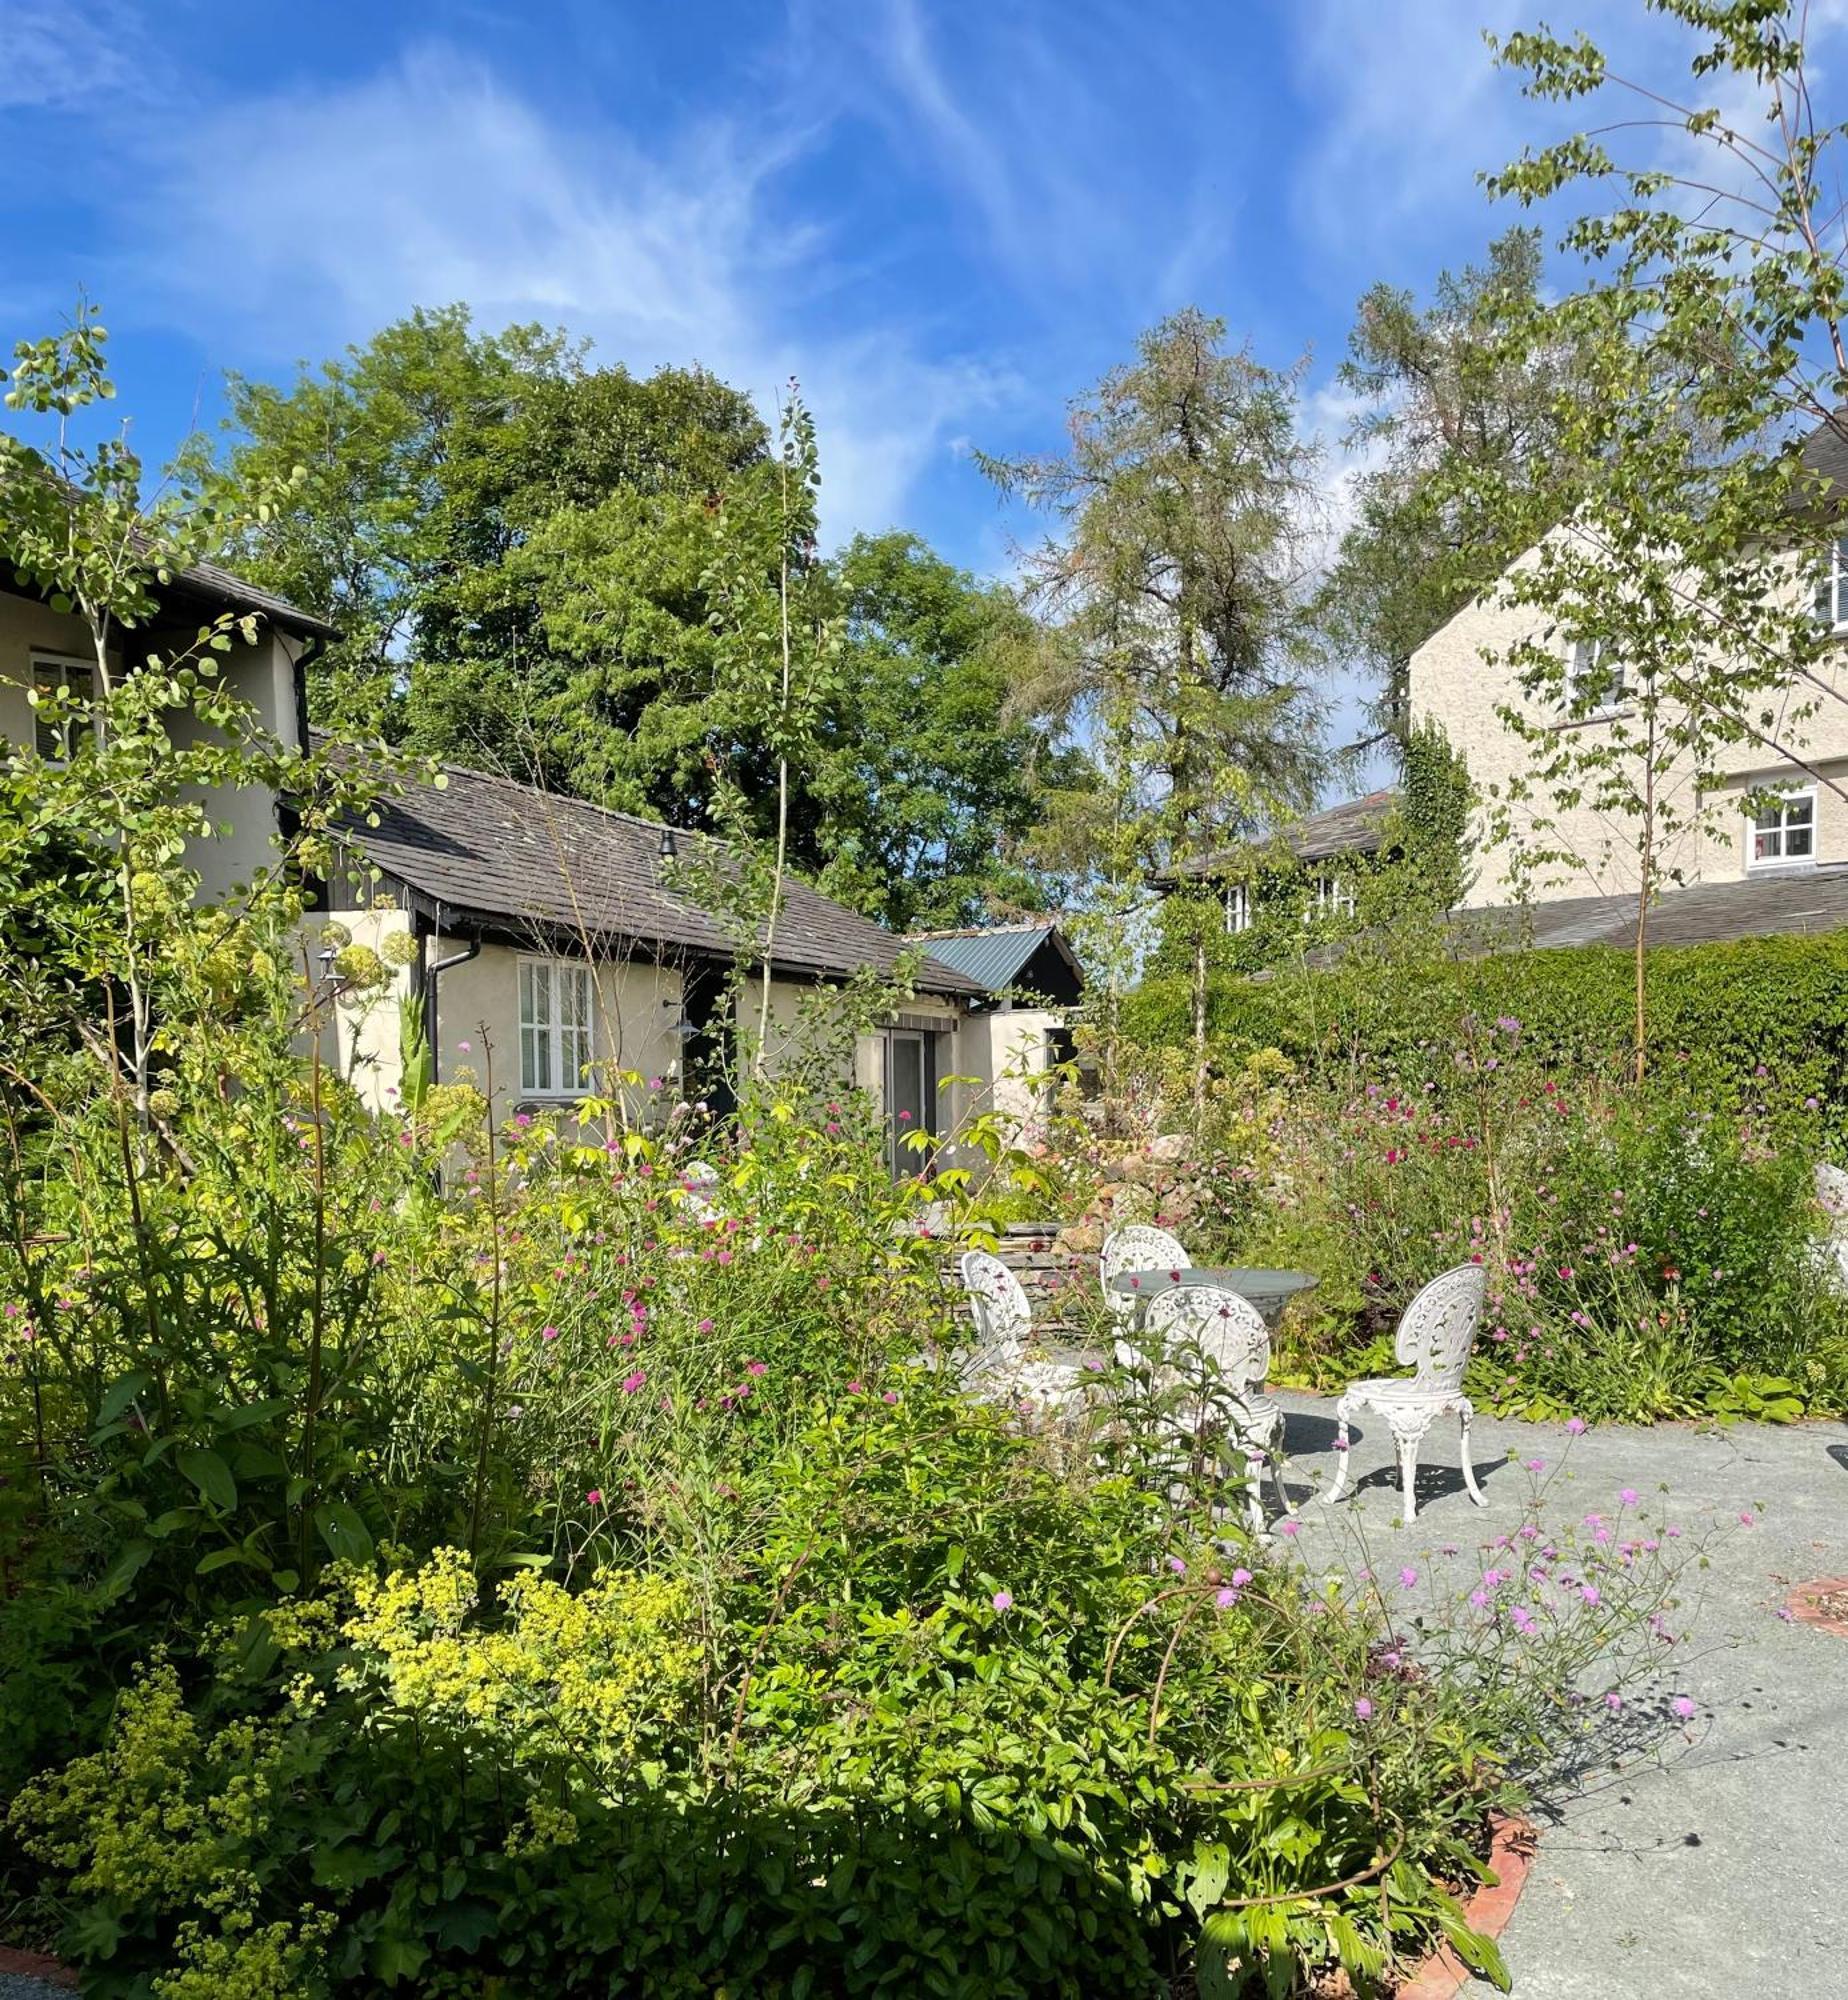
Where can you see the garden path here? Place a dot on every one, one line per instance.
(1708, 1866)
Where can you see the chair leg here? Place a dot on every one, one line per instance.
(1278, 1462)
(1464, 1413)
(1408, 1477)
(1335, 1492)
(1254, 1493)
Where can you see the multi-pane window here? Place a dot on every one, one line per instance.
(1238, 908)
(59, 730)
(555, 1016)
(1594, 678)
(1832, 588)
(1334, 896)
(1784, 831)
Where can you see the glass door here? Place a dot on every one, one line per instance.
(907, 1096)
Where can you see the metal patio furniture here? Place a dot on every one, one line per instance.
(1435, 1334)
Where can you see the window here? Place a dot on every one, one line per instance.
(1832, 589)
(1783, 832)
(555, 1017)
(1238, 908)
(1594, 678)
(59, 732)
(1334, 896)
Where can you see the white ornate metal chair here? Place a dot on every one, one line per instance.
(999, 1366)
(1229, 1334)
(1436, 1332)
(1137, 1246)
(1832, 1252)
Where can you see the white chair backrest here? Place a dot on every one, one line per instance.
(1220, 1323)
(998, 1305)
(1137, 1246)
(1438, 1328)
(1832, 1190)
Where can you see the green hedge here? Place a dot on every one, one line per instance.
(1718, 1013)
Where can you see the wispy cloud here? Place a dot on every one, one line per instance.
(57, 57)
(431, 182)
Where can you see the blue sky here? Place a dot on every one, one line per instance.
(944, 218)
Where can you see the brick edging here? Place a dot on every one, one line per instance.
(35, 1965)
(1488, 1910)
(1805, 1604)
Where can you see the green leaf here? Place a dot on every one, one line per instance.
(210, 1474)
(120, 1394)
(345, 1534)
(123, 1571)
(1211, 1869)
(220, 1559)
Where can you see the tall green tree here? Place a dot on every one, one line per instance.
(1173, 588)
(1700, 534)
(1441, 394)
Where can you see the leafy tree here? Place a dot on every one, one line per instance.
(1712, 307)
(1440, 391)
(1174, 594)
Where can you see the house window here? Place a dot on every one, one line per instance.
(1238, 908)
(1832, 588)
(58, 733)
(1334, 896)
(555, 1018)
(1784, 832)
(1594, 678)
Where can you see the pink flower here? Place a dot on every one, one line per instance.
(1176, 1564)
(1747, 1521)
(1003, 1600)
(1591, 1594)
(757, 1368)
(548, 1333)
(1290, 1528)
(466, 1048)
(1683, 1707)
(1240, 1577)
(1575, 1426)
(890, 1396)
(595, 1496)
(631, 1383)
(856, 1387)
(1613, 1701)
(1628, 1496)
(705, 1326)
(1363, 1709)
(1226, 1599)
(1408, 1577)
(1536, 1465)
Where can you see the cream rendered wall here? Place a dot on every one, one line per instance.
(1009, 1053)
(244, 818)
(635, 1007)
(365, 1028)
(1457, 680)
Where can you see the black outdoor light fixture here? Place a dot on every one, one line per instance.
(667, 849)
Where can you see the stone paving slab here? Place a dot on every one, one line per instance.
(1714, 1867)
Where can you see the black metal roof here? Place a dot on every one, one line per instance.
(996, 955)
(492, 855)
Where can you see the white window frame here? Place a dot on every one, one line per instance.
(1585, 657)
(556, 1054)
(1334, 895)
(1780, 830)
(1832, 589)
(55, 670)
(1238, 908)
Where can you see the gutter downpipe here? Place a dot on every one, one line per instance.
(431, 974)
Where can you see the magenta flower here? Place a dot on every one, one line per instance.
(595, 1496)
(1290, 1528)
(757, 1368)
(1683, 1707)
(548, 1333)
(1226, 1599)
(1240, 1577)
(1747, 1521)
(1536, 1465)
(1628, 1496)
(1408, 1578)
(1613, 1701)
(631, 1383)
(1591, 1593)
(1575, 1426)
(1177, 1565)
(705, 1326)
(1363, 1709)
(1003, 1600)
(890, 1396)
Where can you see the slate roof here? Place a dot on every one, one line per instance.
(1353, 827)
(219, 586)
(994, 955)
(1797, 900)
(495, 856)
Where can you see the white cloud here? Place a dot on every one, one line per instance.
(57, 57)
(312, 218)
